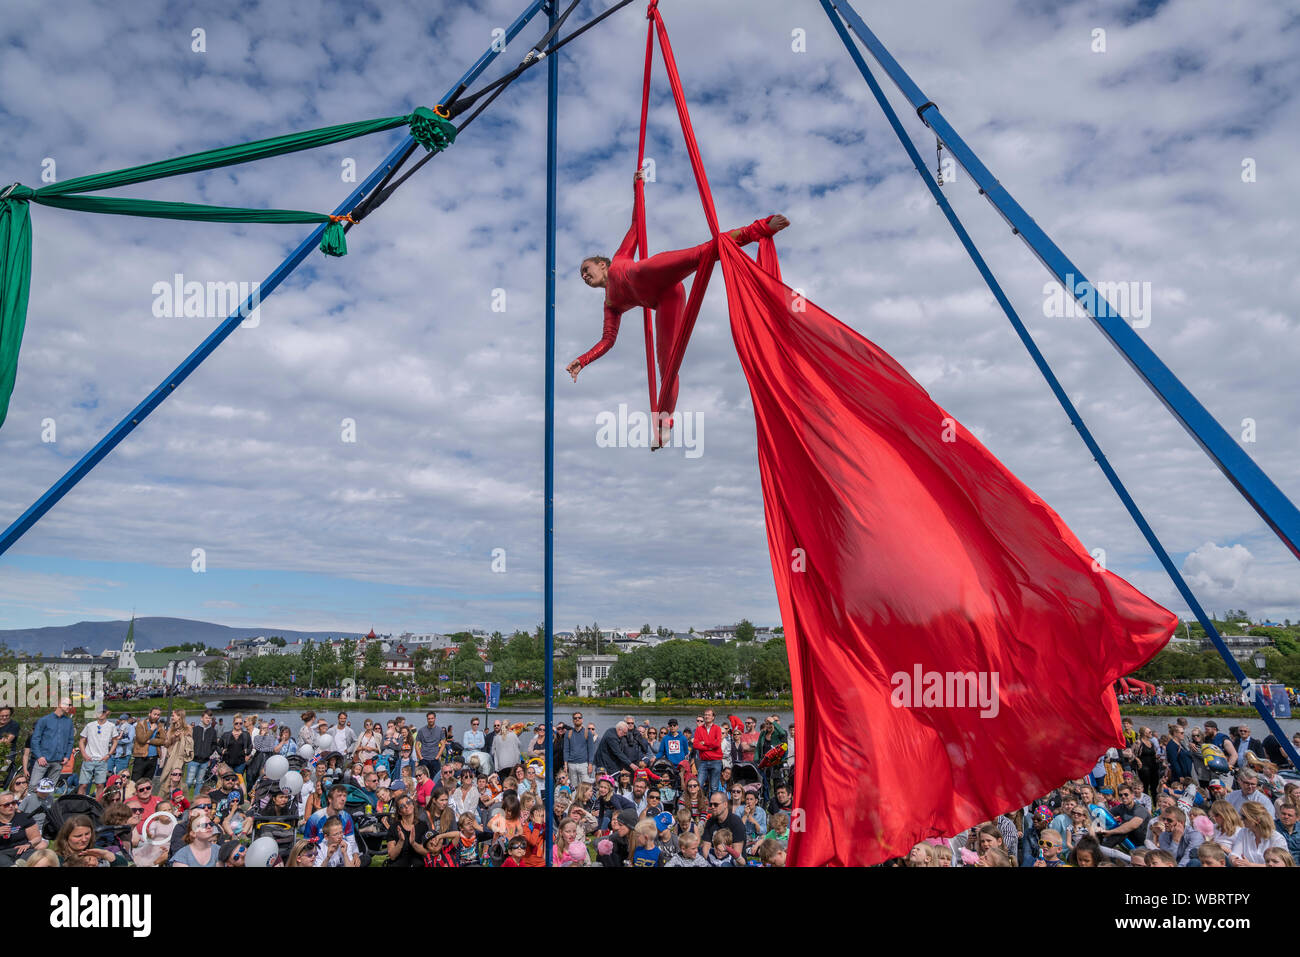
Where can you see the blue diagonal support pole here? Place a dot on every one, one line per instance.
(548, 519)
(1071, 412)
(219, 335)
(1278, 511)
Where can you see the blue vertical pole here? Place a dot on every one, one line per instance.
(1278, 511)
(1057, 389)
(548, 521)
(219, 335)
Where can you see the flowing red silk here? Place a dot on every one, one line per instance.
(900, 545)
(901, 549)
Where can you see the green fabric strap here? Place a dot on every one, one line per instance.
(427, 128)
(15, 277)
(225, 156)
(157, 209)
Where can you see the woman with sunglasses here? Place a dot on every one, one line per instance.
(409, 836)
(694, 801)
(1081, 827)
(370, 743)
(200, 848)
(19, 789)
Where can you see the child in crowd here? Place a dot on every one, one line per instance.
(1278, 857)
(466, 840)
(690, 852)
(646, 852)
(1050, 845)
(720, 854)
(770, 853)
(921, 855)
(1211, 855)
(535, 838)
(780, 824)
(665, 839)
(515, 852)
(684, 823)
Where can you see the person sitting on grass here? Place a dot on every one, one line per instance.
(771, 853)
(690, 852)
(1211, 855)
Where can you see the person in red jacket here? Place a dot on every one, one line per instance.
(707, 744)
(655, 283)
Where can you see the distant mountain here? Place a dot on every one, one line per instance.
(150, 633)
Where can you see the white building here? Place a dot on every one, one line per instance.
(400, 667)
(592, 668)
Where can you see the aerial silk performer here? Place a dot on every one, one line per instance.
(953, 646)
(654, 283)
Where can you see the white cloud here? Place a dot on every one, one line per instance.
(1129, 159)
(1215, 566)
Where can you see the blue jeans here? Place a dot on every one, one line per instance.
(118, 764)
(710, 771)
(195, 772)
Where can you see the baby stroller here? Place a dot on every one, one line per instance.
(747, 775)
(358, 801)
(283, 830)
(70, 805)
(670, 784)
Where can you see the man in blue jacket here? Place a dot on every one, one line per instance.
(580, 752)
(52, 742)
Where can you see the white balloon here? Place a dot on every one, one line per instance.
(262, 851)
(325, 742)
(291, 781)
(276, 766)
(306, 751)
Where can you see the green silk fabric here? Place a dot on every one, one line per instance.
(428, 129)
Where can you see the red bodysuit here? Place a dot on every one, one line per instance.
(655, 283)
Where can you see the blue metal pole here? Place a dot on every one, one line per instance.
(219, 335)
(548, 519)
(1278, 511)
(1041, 361)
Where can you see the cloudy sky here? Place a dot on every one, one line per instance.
(1130, 158)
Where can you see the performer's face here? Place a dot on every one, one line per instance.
(594, 272)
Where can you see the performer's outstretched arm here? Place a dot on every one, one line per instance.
(607, 336)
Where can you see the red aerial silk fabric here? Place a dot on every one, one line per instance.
(892, 549)
(899, 542)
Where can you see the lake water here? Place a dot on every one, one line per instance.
(458, 716)
(604, 717)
